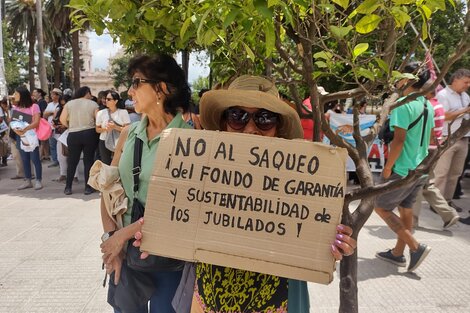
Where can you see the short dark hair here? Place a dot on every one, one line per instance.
(25, 97)
(66, 98)
(163, 68)
(116, 96)
(461, 72)
(102, 94)
(417, 69)
(40, 91)
(81, 92)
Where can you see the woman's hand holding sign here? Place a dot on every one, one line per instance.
(344, 245)
(138, 241)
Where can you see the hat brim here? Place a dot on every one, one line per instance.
(214, 102)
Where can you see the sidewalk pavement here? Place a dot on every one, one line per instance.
(50, 259)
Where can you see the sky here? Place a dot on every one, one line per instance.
(102, 47)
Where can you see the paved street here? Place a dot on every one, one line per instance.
(50, 258)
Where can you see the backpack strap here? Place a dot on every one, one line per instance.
(138, 145)
(425, 114)
(112, 120)
(425, 111)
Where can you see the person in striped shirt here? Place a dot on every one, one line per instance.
(430, 192)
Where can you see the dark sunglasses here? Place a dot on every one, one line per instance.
(238, 118)
(137, 81)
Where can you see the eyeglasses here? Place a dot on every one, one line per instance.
(109, 99)
(238, 118)
(137, 81)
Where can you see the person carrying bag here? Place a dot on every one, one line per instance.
(109, 124)
(161, 93)
(112, 136)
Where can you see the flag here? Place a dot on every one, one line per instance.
(432, 71)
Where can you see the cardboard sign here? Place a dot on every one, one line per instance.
(256, 203)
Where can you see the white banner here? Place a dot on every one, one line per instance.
(342, 124)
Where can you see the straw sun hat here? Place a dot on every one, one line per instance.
(251, 92)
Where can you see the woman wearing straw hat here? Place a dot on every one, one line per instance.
(250, 105)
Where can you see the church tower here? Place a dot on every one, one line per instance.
(85, 53)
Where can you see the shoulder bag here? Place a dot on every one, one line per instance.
(152, 263)
(44, 129)
(133, 291)
(112, 136)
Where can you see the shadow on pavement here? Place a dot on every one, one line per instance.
(375, 268)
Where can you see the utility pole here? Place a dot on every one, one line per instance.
(3, 82)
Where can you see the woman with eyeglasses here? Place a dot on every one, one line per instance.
(161, 93)
(250, 105)
(78, 115)
(111, 122)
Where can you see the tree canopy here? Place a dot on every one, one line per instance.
(355, 48)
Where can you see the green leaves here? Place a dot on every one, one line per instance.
(231, 16)
(368, 23)
(148, 31)
(340, 32)
(263, 9)
(342, 3)
(436, 4)
(401, 2)
(270, 38)
(184, 27)
(249, 52)
(400, 16)
(363, 72)
(396, 76)
(368, 6)
(383, 66)
(359, 49)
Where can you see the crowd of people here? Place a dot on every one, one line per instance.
(103, 128)
(80, 124)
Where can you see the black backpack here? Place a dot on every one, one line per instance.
(386, 134)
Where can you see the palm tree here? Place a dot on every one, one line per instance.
(60, 32)
(59, 15)
(22, 21)
(40, 35)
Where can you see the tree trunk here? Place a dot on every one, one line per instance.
(185, 62)
(31, 40)
(42, 66)
(57, 62)
(268, 72)
(76, 60)
(348, 302)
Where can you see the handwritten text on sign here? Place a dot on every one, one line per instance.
(256, 203)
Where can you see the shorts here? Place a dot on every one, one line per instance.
(403, 197)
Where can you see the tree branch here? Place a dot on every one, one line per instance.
(422, 169)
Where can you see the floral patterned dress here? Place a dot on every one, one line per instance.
(222, 290)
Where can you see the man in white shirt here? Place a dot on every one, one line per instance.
(456, 103)
(49, 115)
